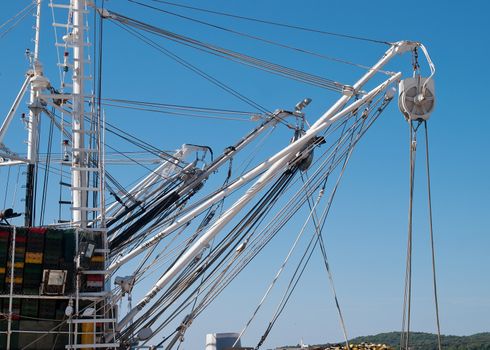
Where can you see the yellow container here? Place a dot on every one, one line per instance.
(88, 334)
(34, 258)
(97, 258)
(2, 270)
(17, 280)
(17, 265)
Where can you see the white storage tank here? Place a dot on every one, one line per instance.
(221, 341)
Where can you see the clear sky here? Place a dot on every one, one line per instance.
(366, 231)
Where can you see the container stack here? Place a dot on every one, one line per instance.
(36, 250)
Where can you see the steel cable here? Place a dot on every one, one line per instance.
(284, 25)
(267, 41)
(431, 230)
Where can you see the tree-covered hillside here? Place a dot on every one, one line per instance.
(418, 341)
(427, 341)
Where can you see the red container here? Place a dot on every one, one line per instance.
(38, 230)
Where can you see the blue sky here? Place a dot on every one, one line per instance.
(366, 231)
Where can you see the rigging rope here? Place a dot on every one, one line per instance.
(281, 269)
(193, 68)
(232, 55)
(429, 203)
(300, 192)
(299, 271)
(27, 8)
(405, 334)
(407, 298)
(317, 234)
(177, 113)
(212, 297)
(184, 281)
(281, 24)
(17, 18)
(179, 107)
(267, 41)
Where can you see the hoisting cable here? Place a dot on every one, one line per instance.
(131, 139)
(299, 270)
(177, 114)
(144, 146)
(17, 18)
(27, 8)
(225, 53)
(281, 268)
(192, 68)
(284, 25)
(319, 224)
(205, 222)
(179, 107)
(267, 41)
(214, 295)
(281, 225)
(319, 228)
(254, 255)
(208, 216)
(312, 207)
(434, 280)
(250, 219)
(208, 299)
(405, 334)
(252, 61)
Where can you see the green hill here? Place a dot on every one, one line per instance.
(428, 341)
(418, 341)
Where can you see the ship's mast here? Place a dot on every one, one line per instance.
(79, 160)
(33, 127)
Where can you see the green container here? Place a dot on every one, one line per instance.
(47, 309)
(30, 308)
(31, 291)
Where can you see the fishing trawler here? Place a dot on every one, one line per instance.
(186, 222)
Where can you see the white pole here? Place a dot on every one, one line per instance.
(13, 109)
(79, 163)
(33, 127)
(12, 270)
(34, 118)
(282, 158)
